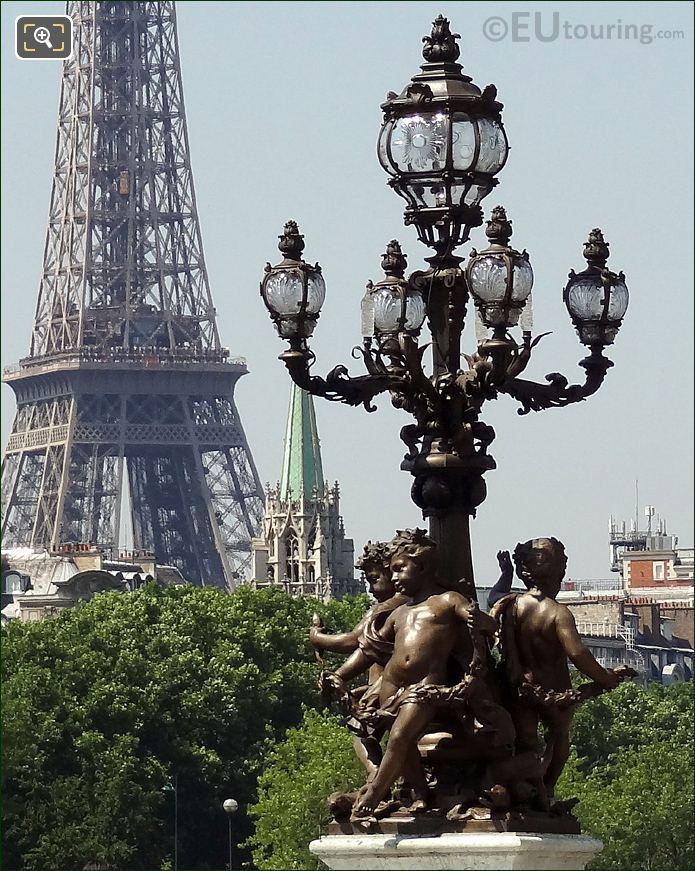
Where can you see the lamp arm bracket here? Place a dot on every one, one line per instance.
(523, 356)
(413, 355)
(557, 393)
(337, 386)
(373, 361)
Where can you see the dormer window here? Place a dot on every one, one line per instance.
(15, 582)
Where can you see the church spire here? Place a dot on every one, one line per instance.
(302, 470)
(303, 548)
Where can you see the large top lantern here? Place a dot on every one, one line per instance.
(391, 306)
(293, 291)
(442, 143)
(596, 298)
(499, 277)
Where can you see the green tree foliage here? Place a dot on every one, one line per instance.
(630, 717)
(105, 704)
(313, 761)
(632, 769)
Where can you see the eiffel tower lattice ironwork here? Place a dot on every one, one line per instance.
(127, 387)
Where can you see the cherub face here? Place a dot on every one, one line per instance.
(380, 583)
(407, 575)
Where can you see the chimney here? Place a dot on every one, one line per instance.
(146, 559)
(87, 557)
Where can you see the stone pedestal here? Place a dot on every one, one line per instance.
(463, 851)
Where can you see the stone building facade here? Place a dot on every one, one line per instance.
(38, 583)
(655, 638)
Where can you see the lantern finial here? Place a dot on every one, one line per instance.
(394, 262)
(499, 227)
(596, 249)
(441, 45)
(291, 242)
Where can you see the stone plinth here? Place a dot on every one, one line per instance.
(463, 851)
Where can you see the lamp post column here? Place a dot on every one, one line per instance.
(169, 788)
(230, 807)
(176, 822)
(229, 820)
(447, 498)
(453, 536)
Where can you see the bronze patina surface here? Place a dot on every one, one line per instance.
(464, 723)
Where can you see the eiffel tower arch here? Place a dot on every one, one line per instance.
(127, 396)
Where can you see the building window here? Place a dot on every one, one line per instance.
(12, 583)
(658, 571)
(292, 564)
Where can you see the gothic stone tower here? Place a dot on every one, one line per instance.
(126, 398)
(303, 546)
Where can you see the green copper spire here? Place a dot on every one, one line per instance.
(301, 463)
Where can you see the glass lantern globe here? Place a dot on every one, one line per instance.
(499, 278)
(391, 306)
(293, 291)
(596, 298)
(397, 309)
(442, 142)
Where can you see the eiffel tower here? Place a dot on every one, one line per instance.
(126, 398)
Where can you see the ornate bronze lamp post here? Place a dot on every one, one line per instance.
(442, 143)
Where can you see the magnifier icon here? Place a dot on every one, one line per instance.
(42, 35)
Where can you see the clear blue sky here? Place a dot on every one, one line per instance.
(283, 114)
